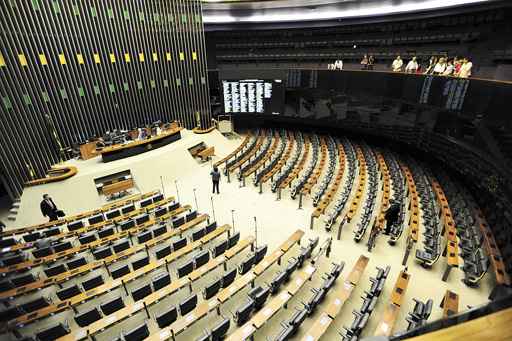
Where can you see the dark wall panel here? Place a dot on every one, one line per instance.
(73, 69)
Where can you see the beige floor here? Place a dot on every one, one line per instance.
(276, 220)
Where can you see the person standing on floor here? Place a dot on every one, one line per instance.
(48, 208)
(215, 179)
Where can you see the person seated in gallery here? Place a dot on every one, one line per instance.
(412, 66)
(397, 64)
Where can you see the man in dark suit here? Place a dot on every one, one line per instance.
(48, 208)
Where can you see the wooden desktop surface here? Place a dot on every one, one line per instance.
(152, 139)
(56, 173)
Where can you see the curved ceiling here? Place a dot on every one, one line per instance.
(274, 11)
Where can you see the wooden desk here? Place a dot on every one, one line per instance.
(341, 295)
(224, 295)
(385, 326)
(116, 187)
(251, 152)
(282, 161)
(198, 130)
(265, 157)
(313, 179)
(495, 326)
(273, 306)
(206, 153)
(56, 173)
(88, 150)
(234, 152)
(361, 184)
(450, 304)
(333, 187)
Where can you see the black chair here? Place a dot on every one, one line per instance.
(87, 238)
(51, 232)
(127, 224)
(246, 264)
(219, 331)
(179, 244)
(276, 282)
(144, 236)
(212, 289)
(105, 232)
(121, 245)
(160, 211)
(87, 317)
(120, 271)
(163, 251)
(198, 234)
(8, 242)
(75, 225)
(32, 237)
(201, 259)
(211, 227)
(92, 283)
(8, 261)
(188, 304)
(101, 253)
(65, 293)
(233, 240)
(53, 333)
(159, 230)
(141, 292)
(158, 197)
(55, 270)
(178, 222)
(220, 248)
(146, 203)
(161, 280)
(112, 306)
(260, 297)
(62, 247)
(185, 269)
(228, 278)
(173, 206)
(76, 263)
(141, 219)
(98, 218)
(243, 313)
(23, 280)
(138, 333)
(6, 285)
(140, 262)
(43, 252)
(293, 264)
(191, 216)
(11, 313)
(260, 253)
(167, 317)
(127, 208)
(113, 214)
(38, 303)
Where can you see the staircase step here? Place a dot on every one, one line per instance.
(13, 210)
(11, 217)
(16, 204)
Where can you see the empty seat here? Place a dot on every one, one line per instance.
(212, 289)
(191, 216)
(243, 313)
(160, 211)
(112, 306)
(102, 252)
(87, 317)
(228, 278)
(220, 248)
(55, 270)
(246, 264)
(75, 225)
(32, 237)
(161, 280)
(121, 245)
(53, 332)
(87, 238)
(158, 197)
(105, 232)
(138, 333)
(159, 230)
(127, 208)
(202, 258)
(7, 242)
(276, 282)
(8, 261)
(167, 317)
(260, 253)
(38, 303)
(163, 251)
(62, 247)
(139, 263)
(75, 263)
(120, 271)
(113, 214)
(173, 206)
(141, 219)
(198, 234)
(6, 285)
(233, 240)
(43, 252)
(144, 236)
(65, 293)
(188, 304)
(185, 269)
(146, 202)
(211, 227)
(98, 218)
(220, 329)
(127, 224)
(141, 292)
(52, 232)
(178, 222)
(92, 282)
(179, 244)
(23, 280)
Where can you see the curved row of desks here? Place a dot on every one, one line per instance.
(234, 152)
(298, 168)
(55, 174)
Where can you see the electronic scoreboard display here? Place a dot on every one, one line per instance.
(253, 96)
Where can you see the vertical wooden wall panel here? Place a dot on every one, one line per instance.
(74, 69)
